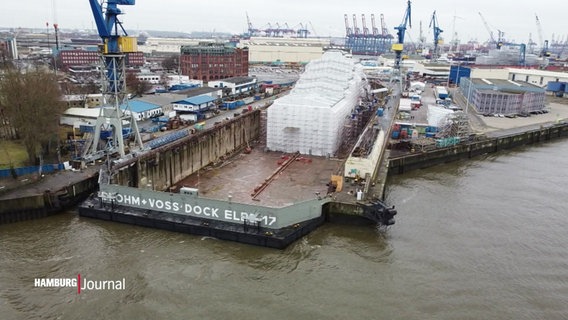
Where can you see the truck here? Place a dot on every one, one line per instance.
(441, 93)
(405, 105)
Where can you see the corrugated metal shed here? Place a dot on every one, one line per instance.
(198, 100)
(140, 106)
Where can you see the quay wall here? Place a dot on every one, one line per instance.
(50, 202)
(420, 160)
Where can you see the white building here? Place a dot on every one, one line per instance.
(297, 50)
(533, 76)
(167, 45)
(237, 85)
(311, 118)
(83, 100)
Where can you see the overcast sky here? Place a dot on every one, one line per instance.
(326, 18)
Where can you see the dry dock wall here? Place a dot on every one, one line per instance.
(472, 149)
(160, 168)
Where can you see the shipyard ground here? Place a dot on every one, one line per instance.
(307, 177)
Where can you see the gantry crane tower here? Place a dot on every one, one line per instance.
(400, 31)
(116, 44)
(437, 40)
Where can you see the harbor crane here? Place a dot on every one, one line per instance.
(497, 43)
(437, 40)
(544, 43)
(400, 32)
(116, 44)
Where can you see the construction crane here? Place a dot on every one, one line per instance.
(116, 44)
(491, 37)
(544, 43)
(421, 40)
(437, 40)
(400, 31)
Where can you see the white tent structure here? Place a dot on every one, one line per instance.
(312, 117)
(437, 116)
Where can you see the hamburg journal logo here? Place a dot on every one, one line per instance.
(81, 284)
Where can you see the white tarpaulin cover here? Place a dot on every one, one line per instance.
(437, 115)
(311, 118)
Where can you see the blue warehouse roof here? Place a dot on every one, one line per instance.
(198, 100)
(140, 106)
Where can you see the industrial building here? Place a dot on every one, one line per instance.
(74, 57)
(506, 97)
(235, 86)
(213, 61)
(8, 49)
(141, 110)
(154, 45)
(196, 104)
(311, 118)
(266, 50)
(83, 100)
(536, 77)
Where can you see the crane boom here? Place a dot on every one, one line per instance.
(491, 37)
(543, 43)
(108, 24)
(435, 27)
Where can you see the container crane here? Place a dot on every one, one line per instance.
(437, 40)
(400, 31)
(116, 44)
(374, 29)
(348, 29)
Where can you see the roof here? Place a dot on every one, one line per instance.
(83, 112)
(506, 85)
(196, 100)
(140, 106)
(537, 72)
(197, 91)
(236, 80)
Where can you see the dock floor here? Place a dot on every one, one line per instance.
(303, 179)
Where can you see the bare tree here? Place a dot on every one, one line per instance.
(31, 102)
(171, 63)
(136, 86)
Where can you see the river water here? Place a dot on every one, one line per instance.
(477, 239)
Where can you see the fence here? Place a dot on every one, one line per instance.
(22, 171)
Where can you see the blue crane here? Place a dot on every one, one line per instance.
(116, 44)
(435, 26)
(400, 31)
(522, 50)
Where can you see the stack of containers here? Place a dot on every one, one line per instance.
(310, 119)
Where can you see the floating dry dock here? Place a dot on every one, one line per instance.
(207, 184)
(233, 201)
